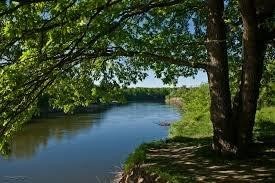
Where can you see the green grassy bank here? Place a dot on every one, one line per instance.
(186, 156)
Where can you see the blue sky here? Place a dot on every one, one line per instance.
(152, 81)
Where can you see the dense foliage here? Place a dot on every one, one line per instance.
(267, 95)
(146, 94)
(195, 120)
(120, 96)
(66, 49)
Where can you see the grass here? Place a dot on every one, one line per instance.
(199, 125)
(186, 156)
(196, 117)
(192, 125)
(136, 158)
(185, 159)
(265, 123)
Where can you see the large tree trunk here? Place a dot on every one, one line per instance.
(253, 56)
(218, 78)
(233, 127)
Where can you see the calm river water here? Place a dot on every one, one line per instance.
(83, 148)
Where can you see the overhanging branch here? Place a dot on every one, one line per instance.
(21, 3)
(168, 59)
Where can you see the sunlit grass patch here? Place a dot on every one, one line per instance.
(265, 123)
(195, 126)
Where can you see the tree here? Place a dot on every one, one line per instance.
(49, 46)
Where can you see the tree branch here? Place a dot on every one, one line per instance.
(120, 52)
(21, 3)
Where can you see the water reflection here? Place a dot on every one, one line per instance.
(38, 134)
(85, 147)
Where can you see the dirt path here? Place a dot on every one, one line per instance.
(185, 162)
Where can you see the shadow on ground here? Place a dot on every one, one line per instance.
(191, 160)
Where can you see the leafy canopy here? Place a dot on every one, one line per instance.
(77, 52)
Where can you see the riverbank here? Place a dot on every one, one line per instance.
(190, 159)
(176, 101)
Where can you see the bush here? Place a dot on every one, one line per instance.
(265, 123)
(196, 116)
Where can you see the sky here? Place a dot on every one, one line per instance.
(152, 82)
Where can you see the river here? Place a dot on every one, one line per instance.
(83, 148)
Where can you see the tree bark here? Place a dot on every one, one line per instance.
(253, 56)
(233, 125)
(218, 77)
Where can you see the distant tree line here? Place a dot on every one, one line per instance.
(119, 96)
(147, 94)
